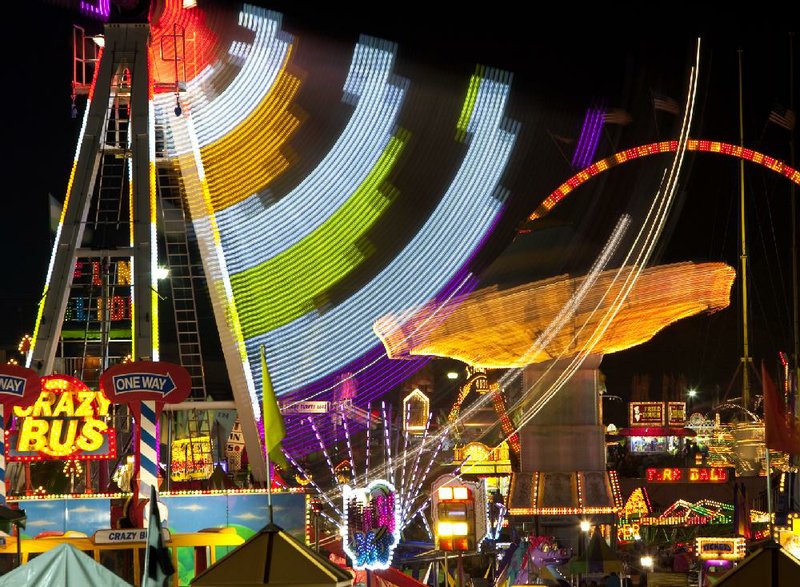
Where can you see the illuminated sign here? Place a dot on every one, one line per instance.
(18, 385)
(191, 459)
(372, 530)
(309, 407)
(143, 382)
(646, 414)
(417, 408)
(475, 458)
(721, 548)
(688, 475)
(146, 381)
(66, 422)
(12, 385)
(676, 413)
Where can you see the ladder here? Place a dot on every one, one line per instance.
(182, 274)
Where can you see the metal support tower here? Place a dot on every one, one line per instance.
(126, 49)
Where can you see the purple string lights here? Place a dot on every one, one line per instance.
(589, 138)
(99, 9)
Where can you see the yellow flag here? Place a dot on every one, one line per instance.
(273, 421)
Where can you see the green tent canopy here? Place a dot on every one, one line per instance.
(63, 566)
(598, 558)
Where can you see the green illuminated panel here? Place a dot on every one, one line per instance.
(284, 288)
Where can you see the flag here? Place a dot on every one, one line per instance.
(273, 421)
(741, 511)
(158, 566)
(666, 104)
(783, 117)
(780, 433)
(617, 116)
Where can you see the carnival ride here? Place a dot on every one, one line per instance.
(197, 128)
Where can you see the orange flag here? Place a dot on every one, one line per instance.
(781, 431)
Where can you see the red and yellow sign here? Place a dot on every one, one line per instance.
(65, 422)
(646, 414)
(676, 413)
(688, 475)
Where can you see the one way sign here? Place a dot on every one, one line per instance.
(146, 381)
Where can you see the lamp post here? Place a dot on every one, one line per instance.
(585, 526)
(691, 394)
(316, 509)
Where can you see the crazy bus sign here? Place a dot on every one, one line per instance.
(67, 421)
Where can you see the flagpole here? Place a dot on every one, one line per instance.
(269, 488)
(769, 486)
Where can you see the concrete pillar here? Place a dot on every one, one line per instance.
(567, 435)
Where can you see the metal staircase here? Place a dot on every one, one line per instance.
(182, 273)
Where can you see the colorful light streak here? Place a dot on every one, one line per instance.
(703, 146)
(283, 288)
(410, 501)
(99, 9)
(640, 251)
(435, 255)
(589, 138)
(258, 65)
(199, 40)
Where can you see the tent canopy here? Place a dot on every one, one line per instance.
(63, 566)
(599, 558)
(770, 565)
(273, 557)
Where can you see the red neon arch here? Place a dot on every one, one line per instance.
(654, 149)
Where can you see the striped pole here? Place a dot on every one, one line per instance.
(148, 453)
(2, 456)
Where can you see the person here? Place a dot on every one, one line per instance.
(613, 580)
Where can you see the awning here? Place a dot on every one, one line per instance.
(657, 431)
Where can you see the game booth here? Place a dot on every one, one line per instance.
(57, 423)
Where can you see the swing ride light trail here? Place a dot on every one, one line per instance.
(563, 317)
(463, 284)
(407, 501)
(369, 426)
(322, 447)
(313, 483)
(415, 466)
(387, 443)
(425, 523)
(642, 249)
(349, 444)
(405, 448)
(651, 229)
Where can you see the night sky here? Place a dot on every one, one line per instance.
(559, 70)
